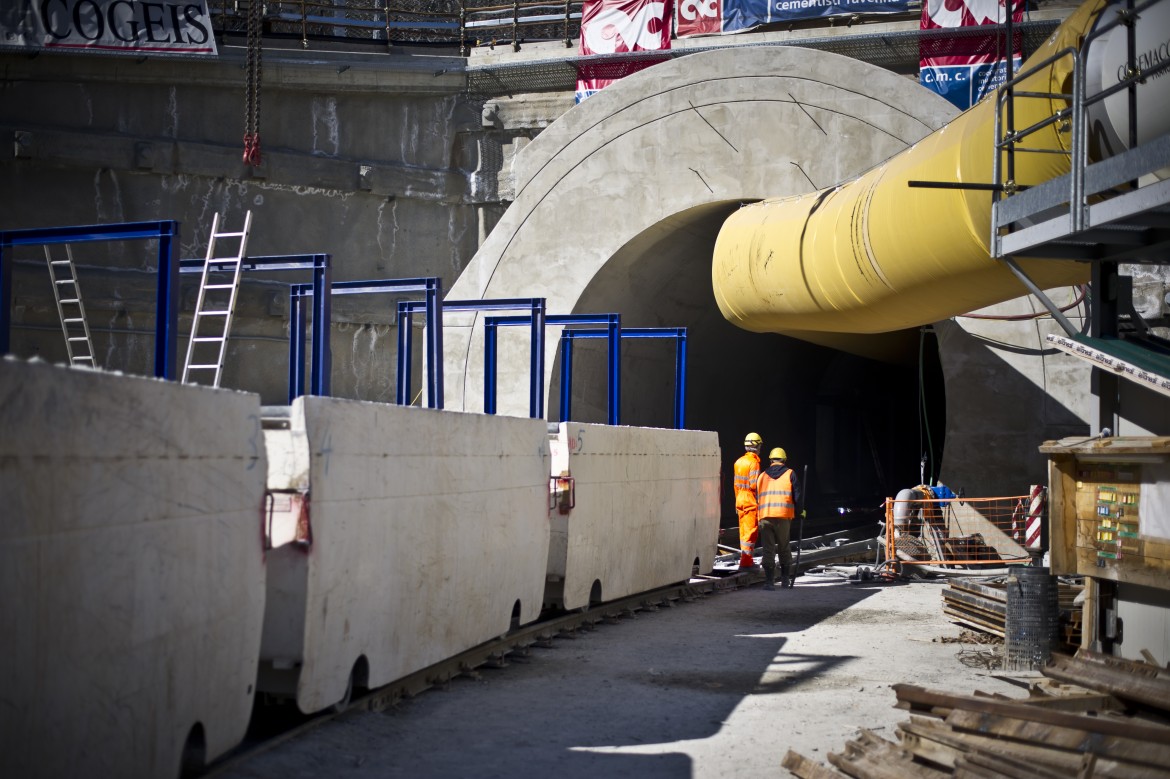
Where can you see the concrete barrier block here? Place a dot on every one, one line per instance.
(131, 570)
(428, 528)
(646, 509)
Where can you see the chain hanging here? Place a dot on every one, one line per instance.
(252, 84)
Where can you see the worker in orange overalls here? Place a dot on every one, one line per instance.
(747, 471)
(778, 492)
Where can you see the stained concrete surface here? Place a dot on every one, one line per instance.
(720, 686)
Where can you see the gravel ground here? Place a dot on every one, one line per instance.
(721, 686)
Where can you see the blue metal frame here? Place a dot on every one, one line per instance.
(536, 318)
(320, 264)
(432, 286)
(167, 300)
(679, 334)
(613, 333)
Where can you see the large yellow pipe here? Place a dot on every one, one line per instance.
(875, 255)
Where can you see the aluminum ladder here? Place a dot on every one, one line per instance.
(215, 306)
(70, 309)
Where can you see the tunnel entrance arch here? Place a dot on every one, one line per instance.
(617, 208)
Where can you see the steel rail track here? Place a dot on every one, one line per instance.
(494, 654)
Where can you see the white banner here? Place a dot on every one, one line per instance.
(128, 26)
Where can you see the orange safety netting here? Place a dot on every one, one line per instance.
(964, 532)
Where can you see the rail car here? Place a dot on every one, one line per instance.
(169, 551)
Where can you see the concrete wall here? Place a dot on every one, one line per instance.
(428, 528)
(646, 509)
(1145, 623)
(131, 570)
(380, 161)
(1008, 390)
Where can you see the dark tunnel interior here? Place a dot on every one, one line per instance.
(863, 428)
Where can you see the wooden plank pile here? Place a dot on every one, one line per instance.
(1094, 716)
(981, 604)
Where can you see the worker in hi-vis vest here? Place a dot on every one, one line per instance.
(747, 471)
(778, 493)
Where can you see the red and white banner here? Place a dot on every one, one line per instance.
(698, 17)
(618, 27)
(966, 68)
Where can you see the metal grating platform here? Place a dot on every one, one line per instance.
(1126, 214)
(898, 51)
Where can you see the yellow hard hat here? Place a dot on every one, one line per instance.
(753, 439)
(777, 454)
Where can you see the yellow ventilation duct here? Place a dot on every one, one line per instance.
(875, 255)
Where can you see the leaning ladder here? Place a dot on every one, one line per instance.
(215, 305)
(70, 309)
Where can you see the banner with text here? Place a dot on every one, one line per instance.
(965, 69)
(118, 26)
(706, 17)
(618, 27)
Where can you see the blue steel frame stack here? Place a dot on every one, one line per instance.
(166, 320)
(322, 358)
(536, 320)
(433, 306)
(167, 309)
(678, 334)
(612, 333)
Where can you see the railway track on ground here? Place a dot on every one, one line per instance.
(495, 654)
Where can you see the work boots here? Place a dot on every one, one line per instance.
(770, 584)
(784, 580)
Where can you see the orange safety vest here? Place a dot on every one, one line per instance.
(747, 471)
(775, 496)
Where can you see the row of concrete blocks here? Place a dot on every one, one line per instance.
(168, 551)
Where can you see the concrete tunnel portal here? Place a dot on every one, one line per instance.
(618, 207)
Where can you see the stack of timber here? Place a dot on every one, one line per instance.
(1094, 716)
(981, 604)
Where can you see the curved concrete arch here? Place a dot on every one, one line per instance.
(669, 151)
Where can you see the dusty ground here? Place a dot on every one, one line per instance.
(722, 686)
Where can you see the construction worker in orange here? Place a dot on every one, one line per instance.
(779, 492)
(747, 472)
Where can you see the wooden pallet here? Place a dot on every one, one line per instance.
(1082, 728)
(982, 605)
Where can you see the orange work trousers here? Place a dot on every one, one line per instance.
(749, 534)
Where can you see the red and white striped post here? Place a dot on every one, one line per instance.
(1037, 498)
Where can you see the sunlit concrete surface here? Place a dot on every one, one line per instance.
(428, 528)
(618, 202)
(722, 686)
(645, 510)
(131, 570)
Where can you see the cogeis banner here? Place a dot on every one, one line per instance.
(617, 27)
(129, 26)
(965, 69)
(703, 17)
